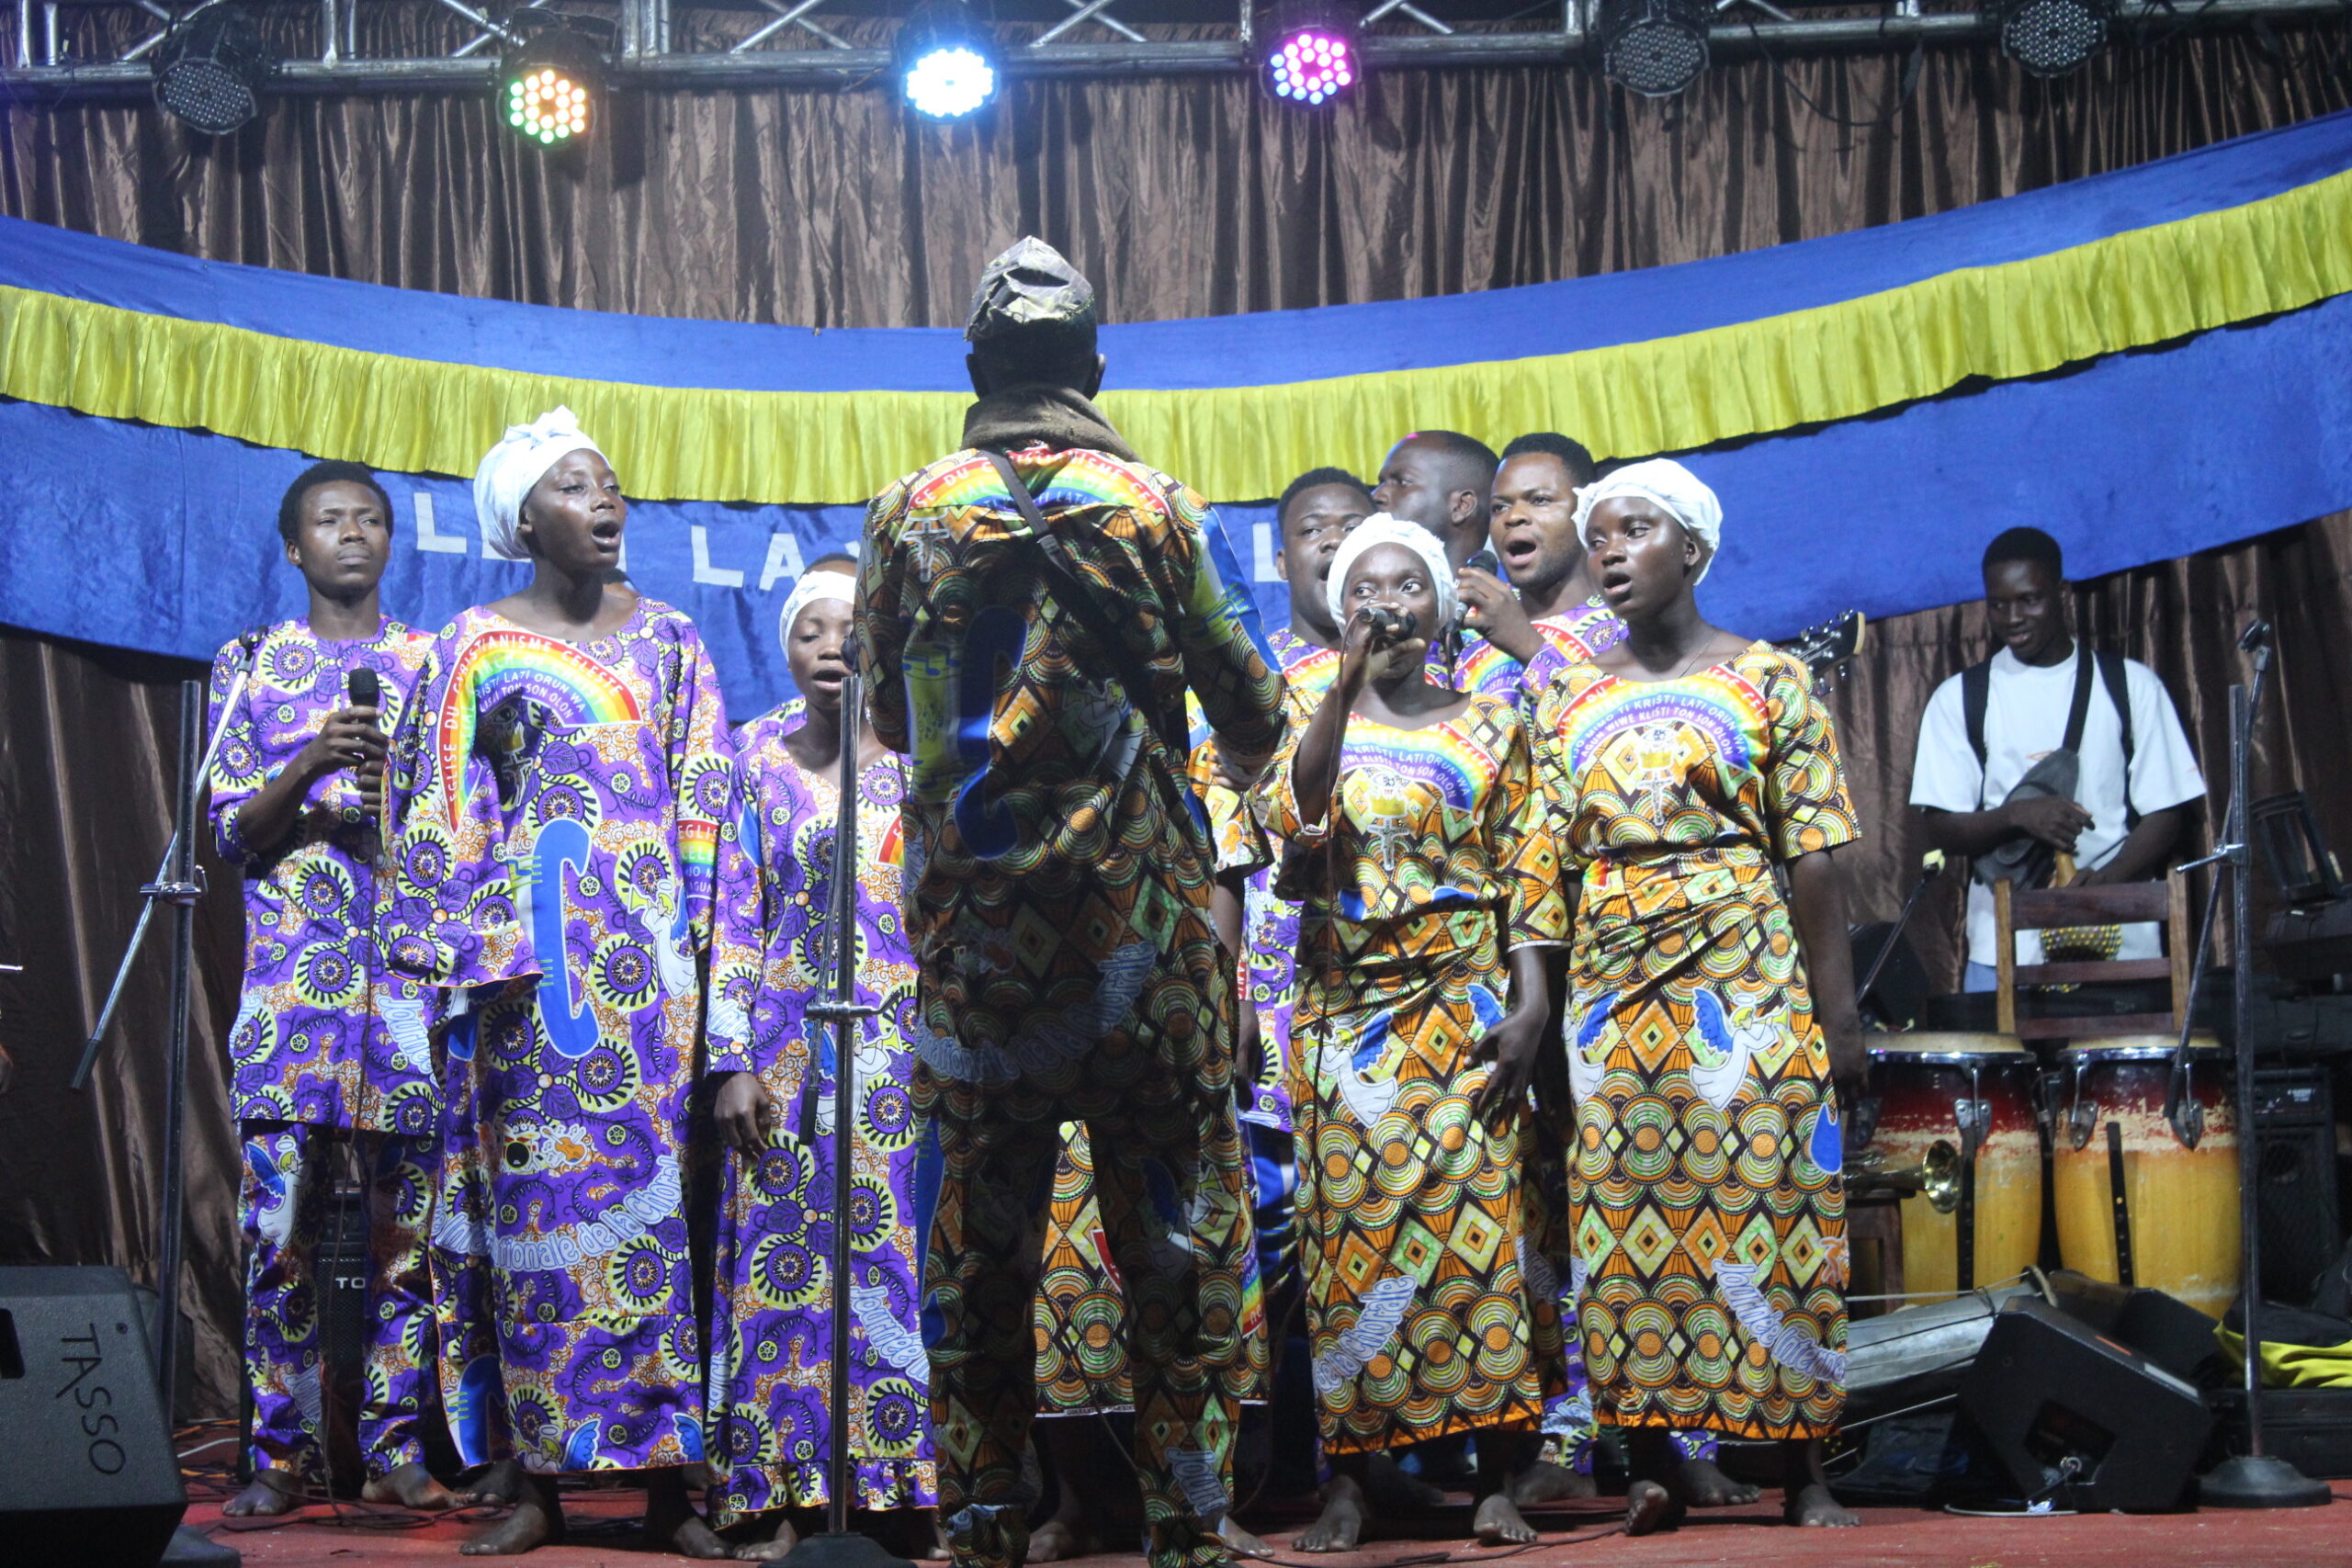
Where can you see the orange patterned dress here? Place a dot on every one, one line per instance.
(1710, 1231)
(1420, 1310)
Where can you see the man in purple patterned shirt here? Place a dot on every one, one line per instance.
(325, 1049)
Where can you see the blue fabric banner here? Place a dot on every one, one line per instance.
(1264, 349)
(165, 540)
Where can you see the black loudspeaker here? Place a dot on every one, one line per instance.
(87, 1469)
(1899, 996)
(2165, 1329)
(2295, 1195)
(2070, 1412)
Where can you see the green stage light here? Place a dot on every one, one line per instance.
(549, 89)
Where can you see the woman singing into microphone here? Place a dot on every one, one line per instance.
(1711, 1021)
(772, 1318)
(1416, 837)
(562, 774)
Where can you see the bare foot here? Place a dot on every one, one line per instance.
(1239, 1541)
(500, 1482)
(410, 1486)
(1499, 1523)
(672, 1523)
(783, 1541)
(537, 1521)
(274, 1492)
(940, 1551)
(1059, 1539)
(1396, 1490)
(1814, 1507)
(1698, 1483)
(1551, 1484)
(1342, 1526)
(1649, 1508)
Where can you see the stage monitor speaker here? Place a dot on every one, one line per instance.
(87, 1469)
(2165, 1329)
(2296, 1198)
(2072, 1414)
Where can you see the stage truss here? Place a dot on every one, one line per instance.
(789, 40)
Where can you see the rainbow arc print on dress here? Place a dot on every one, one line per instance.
(554, 878)
(1709, 1257)
(1423, 1313)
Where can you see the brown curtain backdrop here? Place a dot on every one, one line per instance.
(1179, 195)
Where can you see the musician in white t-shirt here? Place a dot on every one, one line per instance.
(1986, 728)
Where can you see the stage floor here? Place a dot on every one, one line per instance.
(604, 1536)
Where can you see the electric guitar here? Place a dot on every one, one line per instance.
(1828, 648)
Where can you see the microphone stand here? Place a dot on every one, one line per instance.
(2254, 1479)
(165, 886)
(1929, 869)
(837, 1547)
(179, 882)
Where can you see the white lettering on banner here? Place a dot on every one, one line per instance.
(427, 538)
(784, 560)
(1263, 535)
(707, 574)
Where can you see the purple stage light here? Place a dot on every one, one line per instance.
(1311, 65)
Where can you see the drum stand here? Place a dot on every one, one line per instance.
(838, 1546)
(178, 884)
(2254, 1479)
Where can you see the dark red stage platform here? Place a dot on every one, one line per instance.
(604, 1537)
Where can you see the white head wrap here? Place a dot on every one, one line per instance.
(825, 583)
(1672, 486)
(509, 470)
(1382, 529)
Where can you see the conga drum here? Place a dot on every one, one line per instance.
(2136, 1204)
(1973, 1093)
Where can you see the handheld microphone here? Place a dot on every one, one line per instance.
(2257, 634)
(1485, 561)
(367, 692)
(1389, 625)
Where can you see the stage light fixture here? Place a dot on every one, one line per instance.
(212, 67)
(947, 59)
(1655, 47)
(549, 89)
(1310, 54)
(2052, 38)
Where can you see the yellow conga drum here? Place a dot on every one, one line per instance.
(2176, 1228)
(1974, 1094)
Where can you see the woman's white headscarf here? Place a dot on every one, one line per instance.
(1382, 529)
(1672, 486)
(813, 586)
(509, 470)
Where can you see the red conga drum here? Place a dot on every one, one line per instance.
(1975, 1094)
(2176, 1227)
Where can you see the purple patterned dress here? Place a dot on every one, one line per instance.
(560, 805)
(322, 1044)
(771, 1369)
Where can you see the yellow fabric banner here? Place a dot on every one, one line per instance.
(2130, 290)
